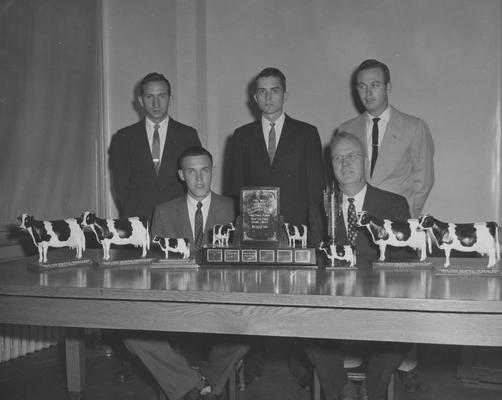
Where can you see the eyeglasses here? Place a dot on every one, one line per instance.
(351, 157)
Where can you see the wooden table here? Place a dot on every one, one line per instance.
(381, 305)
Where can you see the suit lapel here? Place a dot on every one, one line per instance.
(386, 153)
(168, 157)
(184, 220)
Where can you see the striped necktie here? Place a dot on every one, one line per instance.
(199, 223)
(156, 148)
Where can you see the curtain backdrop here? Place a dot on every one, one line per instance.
(49, 108)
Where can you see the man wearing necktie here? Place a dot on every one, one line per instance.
(280, 151)
(349, 163)
(399, 146)
(143, 156)
(191, 216)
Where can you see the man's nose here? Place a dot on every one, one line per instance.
(156, 101)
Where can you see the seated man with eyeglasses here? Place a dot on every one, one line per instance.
(349, 165)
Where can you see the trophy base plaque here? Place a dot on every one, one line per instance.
(259, 256)
(468, 271)
(39, 267)
(402, 265)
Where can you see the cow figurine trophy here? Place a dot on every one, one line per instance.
(58, 233)
(386, 232)
(481, 237)
(173, 245)
(333, 210)
(221, 234)
(296, 233)
(128, 231)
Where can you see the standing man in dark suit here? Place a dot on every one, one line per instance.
(178, 219)
(143, 156)
(278, 150)
(399, 146)
(349, 164)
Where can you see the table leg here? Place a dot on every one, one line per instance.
(75, 363)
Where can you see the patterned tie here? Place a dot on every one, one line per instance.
(156, 148)
(271, 142)
(351, 221)
(198, 226)
(374, 144)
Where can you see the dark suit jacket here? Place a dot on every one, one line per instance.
(381, 204)
(297, 168)
(171, 219)
(138, 189)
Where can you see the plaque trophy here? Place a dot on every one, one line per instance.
(260, 237)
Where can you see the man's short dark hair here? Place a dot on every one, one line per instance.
(371, 63)
(274, 72)
(194, 151)
(154, 77)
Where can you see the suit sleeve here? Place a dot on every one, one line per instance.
(315, 186)
(422, 157)
(315, 168)
(163, 223)
(120, 167)
(237, 167)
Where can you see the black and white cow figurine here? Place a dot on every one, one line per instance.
(296, 232)
(386, 232)
(339, 252)
(221, 234)
(133, 231)
(481, 237)
(169, 245)
(57, 233)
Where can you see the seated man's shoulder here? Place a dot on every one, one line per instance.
(170, 204)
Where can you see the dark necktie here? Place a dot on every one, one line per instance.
(271, 142)
(198, 226)
(351, 221)
(374, 144)
(156, 148)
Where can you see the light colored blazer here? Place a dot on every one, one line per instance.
(405, 162)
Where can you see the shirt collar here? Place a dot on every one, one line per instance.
(279, 122)
(162, 124)
(358, 197)
(205, 201)
(384, 117)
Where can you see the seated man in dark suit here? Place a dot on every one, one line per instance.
(349, 162)
(178, 219)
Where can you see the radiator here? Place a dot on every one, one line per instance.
(19, 340)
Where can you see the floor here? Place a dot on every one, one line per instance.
(41, 376)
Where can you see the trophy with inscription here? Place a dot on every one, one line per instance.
(261, 237)
(333, 251)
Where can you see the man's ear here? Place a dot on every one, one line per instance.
(285, 96)
(389, 87)
(140, 101)
(180, 174)
(255, 98)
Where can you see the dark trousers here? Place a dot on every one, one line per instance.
(381, 360)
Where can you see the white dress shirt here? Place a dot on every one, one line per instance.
(192, 209)
(358, 203)
(150, 128)
(382, 126)
(279, 123)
